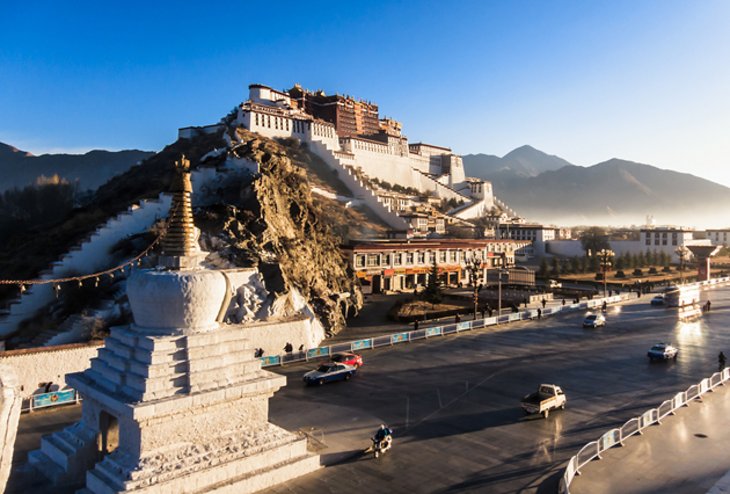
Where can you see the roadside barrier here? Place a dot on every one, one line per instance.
(636, 425)
(431, 332)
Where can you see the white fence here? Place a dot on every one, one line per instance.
(636, 425)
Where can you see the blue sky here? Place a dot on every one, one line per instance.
(640, 80)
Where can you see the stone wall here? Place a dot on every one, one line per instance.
(10, 403)
(51, 364)
(48, 364)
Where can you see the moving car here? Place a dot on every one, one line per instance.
(547, 397)
(662, 351)
(552, 284)
(594, 320)
(352, 359)
(658, 300)
(329, 372)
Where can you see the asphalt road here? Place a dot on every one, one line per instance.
(454, 403)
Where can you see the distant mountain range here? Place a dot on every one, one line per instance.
(549, 189)
(19, 168)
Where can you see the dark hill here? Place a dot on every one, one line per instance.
(90, 170)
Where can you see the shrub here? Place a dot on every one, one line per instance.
(599, 277)
(620, 274)
(667, 269)
(652, 270)
(638, 272)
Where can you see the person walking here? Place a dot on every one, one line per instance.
(539, 313)
(544, 303)
(721, 362)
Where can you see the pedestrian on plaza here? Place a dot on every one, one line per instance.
(457, 319)
(489, 309)
(708, 306)
(720, 362)
(539, 313)
(563, 301)
(415, 325)
(524, 301)
(288, 348)
(543, 302)
(483, 310)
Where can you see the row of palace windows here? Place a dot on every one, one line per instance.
(414, 258)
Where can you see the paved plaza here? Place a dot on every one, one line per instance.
(453, 402)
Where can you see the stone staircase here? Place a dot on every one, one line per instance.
(90, 255)
(60, 455)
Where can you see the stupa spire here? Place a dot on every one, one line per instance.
(180, 248)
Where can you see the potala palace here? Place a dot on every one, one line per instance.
(371, 152)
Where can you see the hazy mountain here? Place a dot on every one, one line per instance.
(19, 168)
(618, 192)
(521, 163)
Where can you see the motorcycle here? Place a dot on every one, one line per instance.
(379, 447)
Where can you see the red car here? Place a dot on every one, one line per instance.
(347, 358)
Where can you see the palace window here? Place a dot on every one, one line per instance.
(431, 257)
(453, 256)
(442, 256)
(359, 261)
(373, 260)
(421, 257)
(385, 260)
(397, 259)
(409, 258)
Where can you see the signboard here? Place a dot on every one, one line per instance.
(318, 352)
(463, 326)
(54, 398)
(433, 331)
(362, 344)
(399, 338)
(270, 360)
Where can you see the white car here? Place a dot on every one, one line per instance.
(552, 284)
(329, 372)
(662, 351)
(594, 320)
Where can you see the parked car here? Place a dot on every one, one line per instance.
(658, 300)
(594, 320)
(352, 359)
(329, 372)
(547, 397)
(662, 351)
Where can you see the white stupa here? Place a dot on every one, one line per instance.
(175, 403)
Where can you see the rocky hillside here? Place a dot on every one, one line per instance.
(88, 171)
(278, 227)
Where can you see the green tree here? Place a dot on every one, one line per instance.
(555, 265)
(664, 259)
(619, 263)
(574, 264)
(433, 293)
(650, 257)
(640, 260)
(594, 239)
(543, 272)
(584, 263)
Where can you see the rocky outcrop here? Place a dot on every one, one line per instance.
(278, 228)
(10, 403)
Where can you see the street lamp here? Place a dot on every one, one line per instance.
(681, 252)
(474, 266)
(500, 271)
(605, 256)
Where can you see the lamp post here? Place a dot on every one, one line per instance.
(605, 256)
(474, 266)
(500, 271)
(681, 252)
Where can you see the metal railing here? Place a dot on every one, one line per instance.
(636, 425)
(430, 332)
